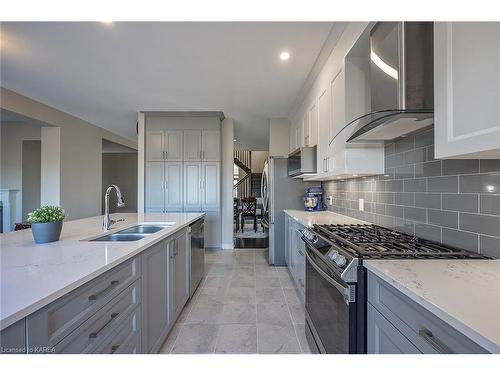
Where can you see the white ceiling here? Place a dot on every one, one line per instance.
(104, 73)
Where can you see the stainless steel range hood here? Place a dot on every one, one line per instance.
(401, 82)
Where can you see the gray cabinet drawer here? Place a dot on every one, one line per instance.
(126, 339)
(425, 330)
(49, 325)
(103, 323)
(383, 337)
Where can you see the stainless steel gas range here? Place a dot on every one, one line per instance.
(336, 279)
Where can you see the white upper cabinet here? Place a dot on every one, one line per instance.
(201, 145)
(173, 145)
(155, 140)
(192, 186)
(164, 145)
(173, 187)
(155, 184)
(324, 115)
(467, 89)
(301, 138)
(311, 137)
(337, 90)
(211, 186)
(192, 145)
(210, 145)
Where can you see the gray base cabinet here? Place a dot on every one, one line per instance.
(179, 266)
(13, 338)
(396, 324)
(81, 320)
(156, 305)
(295, 254)
(165, 288)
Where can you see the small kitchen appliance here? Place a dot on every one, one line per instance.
(313, 199)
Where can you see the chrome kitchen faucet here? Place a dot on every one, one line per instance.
(106, 221)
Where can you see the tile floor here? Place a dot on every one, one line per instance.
(242, 306)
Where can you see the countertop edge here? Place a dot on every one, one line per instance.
(23, 313)
(292, 214)
(441, 314)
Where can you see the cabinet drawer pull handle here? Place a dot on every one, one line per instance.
(434, 342)
(114, 348)
(111, 285)
(94, 335)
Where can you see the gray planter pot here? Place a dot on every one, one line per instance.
(46, 232)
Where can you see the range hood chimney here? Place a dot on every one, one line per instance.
(401, 82)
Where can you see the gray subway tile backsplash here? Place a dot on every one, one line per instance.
(484, 224)
(490, 204)
(415, 185)
(460, 202)
(460, 166)
(447, 219)
(448, 184)
(428, 200)
(456, 202)
(430, 232)
(489, 246)
(480, 183)
(489, 165)
(460, 239)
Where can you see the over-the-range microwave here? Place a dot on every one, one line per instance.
(302, 162)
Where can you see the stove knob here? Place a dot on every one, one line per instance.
(341, 261)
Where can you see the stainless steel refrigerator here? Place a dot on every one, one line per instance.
(279, 192)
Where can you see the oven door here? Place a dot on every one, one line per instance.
(330, 308)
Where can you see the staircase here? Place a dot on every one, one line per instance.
(249, 184)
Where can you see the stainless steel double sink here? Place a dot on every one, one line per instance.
(135, 233)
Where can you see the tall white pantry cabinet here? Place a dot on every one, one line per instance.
(182, 170)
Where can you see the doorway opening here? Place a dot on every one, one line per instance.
(248, 231)
(20, 170)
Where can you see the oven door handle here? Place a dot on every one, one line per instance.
(338, 286)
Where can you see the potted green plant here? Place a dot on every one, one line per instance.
(46, 223)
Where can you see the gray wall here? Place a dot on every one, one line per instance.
(120, 169)
(456, 202)
(80, 153)
(32, 155)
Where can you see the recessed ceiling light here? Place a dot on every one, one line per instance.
(234, 140)
(284, 56)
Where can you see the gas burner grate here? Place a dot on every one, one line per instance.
(373, 241)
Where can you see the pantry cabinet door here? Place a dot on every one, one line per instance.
(192, 145)
(155, 145)
(155, 183)
(173, 187)
(192, 187)
(211, 145)
(173, 147)
(467, 89)
(211, 186)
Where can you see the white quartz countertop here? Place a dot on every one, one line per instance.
(308, 218)
(463, 293)
(34, 275)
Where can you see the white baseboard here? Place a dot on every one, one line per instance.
(227, 246)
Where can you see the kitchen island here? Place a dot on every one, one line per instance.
(37, 276)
